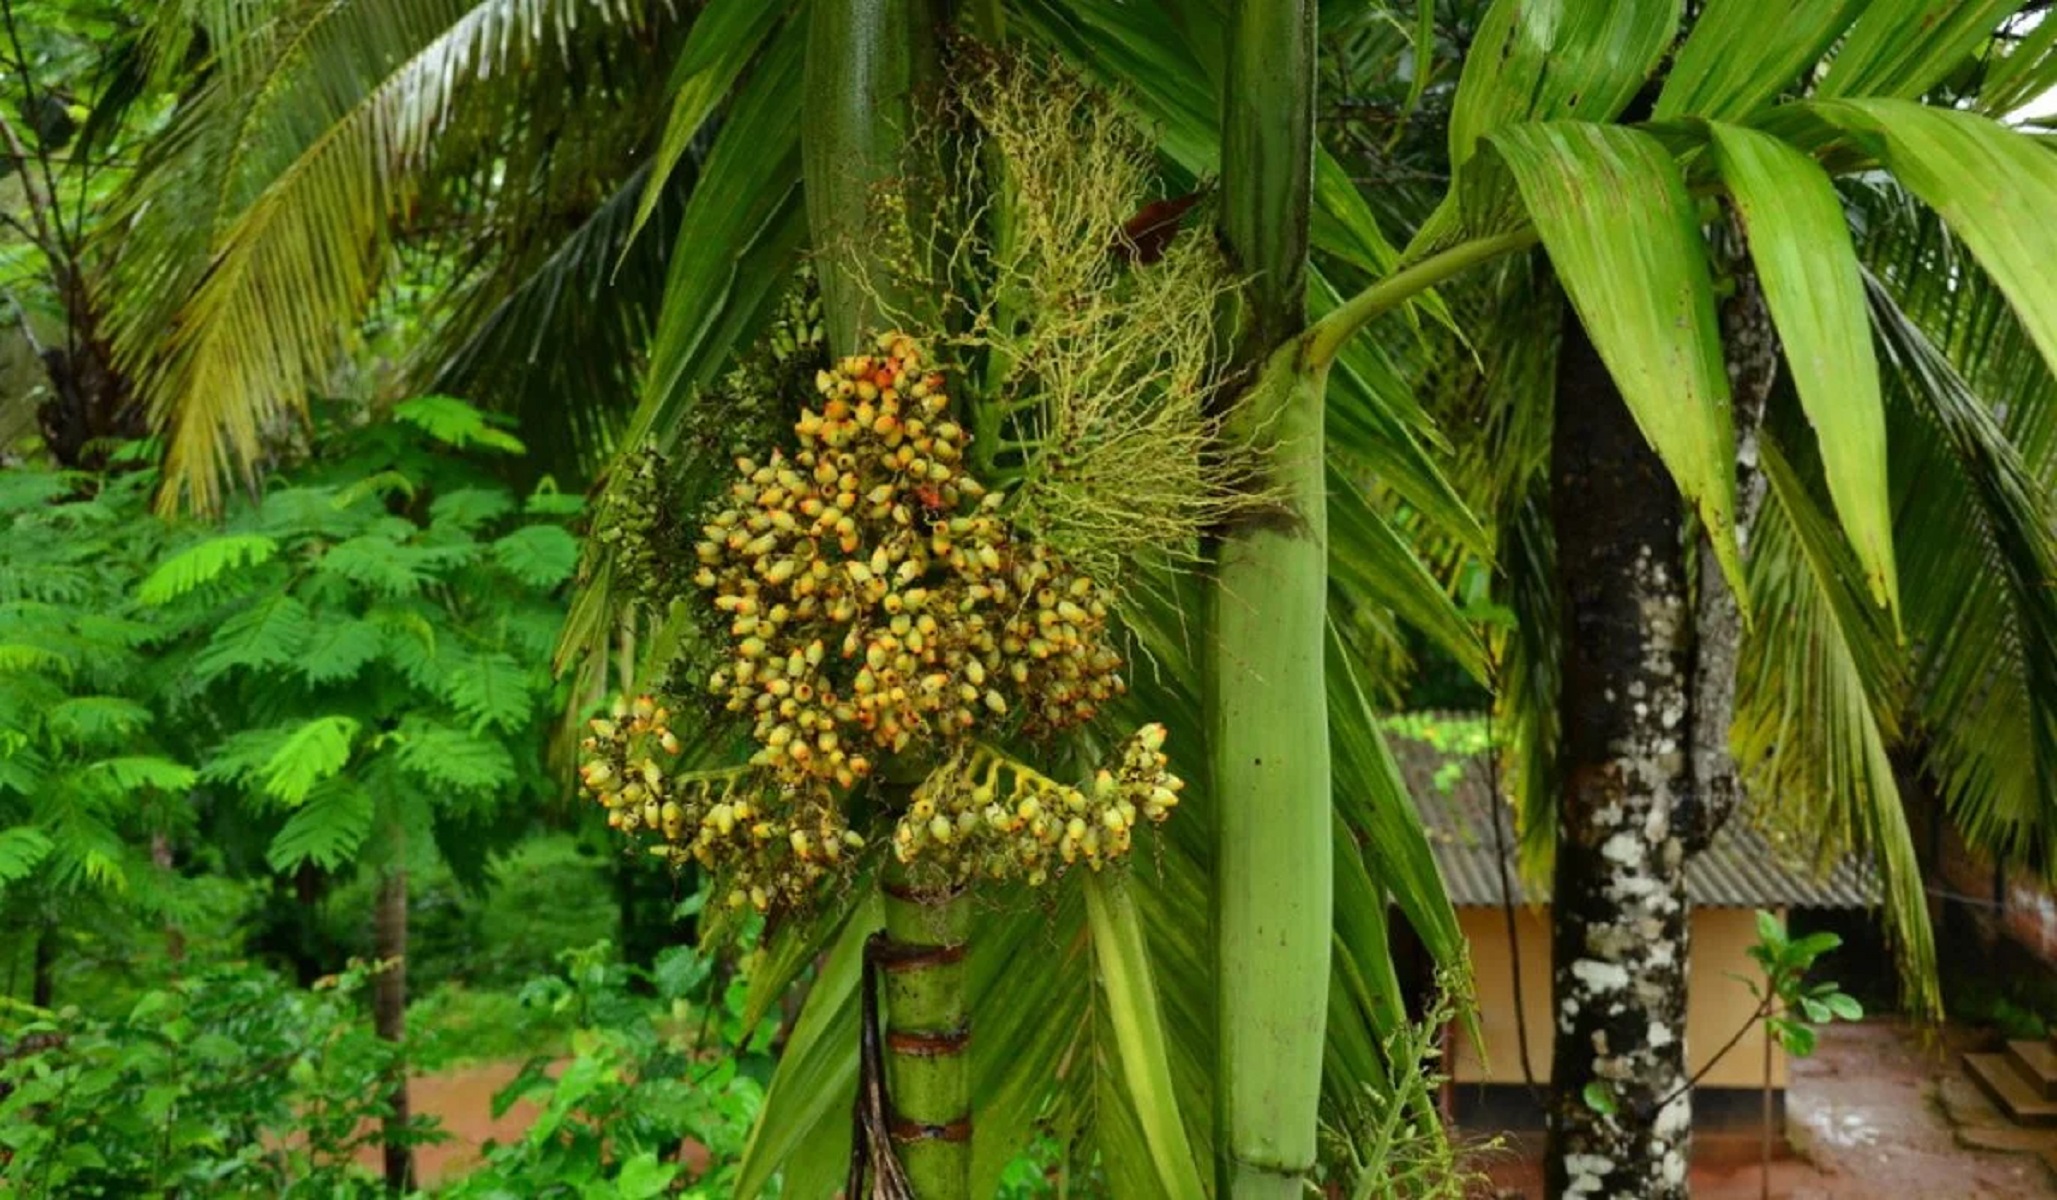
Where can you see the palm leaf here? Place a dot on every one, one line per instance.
(1904, 47)
(1808, 269)
(1625, 241)
(1728, 68)
(1978, 550)
(1817, 682)
(290, 267)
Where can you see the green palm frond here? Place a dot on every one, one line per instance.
(1978, 550)
(275, 200)
(1818, 682)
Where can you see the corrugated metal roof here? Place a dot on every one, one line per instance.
(1741, 869)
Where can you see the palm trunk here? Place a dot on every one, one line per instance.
(1751, 350)
(1267, 708)
(866, 60)
(1619, 906)
(928, 1029)
(389, 1010)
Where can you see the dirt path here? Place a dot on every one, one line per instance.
(1864, 1125)
(462, 1101)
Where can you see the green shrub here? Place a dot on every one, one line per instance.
(230, 1083)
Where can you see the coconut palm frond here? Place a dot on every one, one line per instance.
(1975, 529)
(1818, 682)
(277, 199)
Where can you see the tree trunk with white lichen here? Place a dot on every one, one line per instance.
(1750, 349)
(1620, 1118)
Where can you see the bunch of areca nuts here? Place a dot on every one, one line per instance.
(873, 605)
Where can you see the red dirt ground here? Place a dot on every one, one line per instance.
(1864, 1125)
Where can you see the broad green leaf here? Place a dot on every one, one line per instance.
(741, 196)
(1372, 799)
(2020, 72)
(203, 563)
(1903, 48)
(310, 754)
(726, 35)
(1742, 53)
(1800, 244)
(1131, 998)
(1997, 190)
(1623, 236)
(1539, 60)
(808, 1101)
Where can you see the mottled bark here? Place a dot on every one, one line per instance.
(1619, 914)
(389, 1012)
(1750, 348)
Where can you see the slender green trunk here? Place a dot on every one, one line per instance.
(867, 61)
(928, 1030)
(1267, 705)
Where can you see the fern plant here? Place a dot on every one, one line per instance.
(90, 781)
(360, 652)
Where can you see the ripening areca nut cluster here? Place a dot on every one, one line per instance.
(981, 814)
(765, 852)
(877, 599)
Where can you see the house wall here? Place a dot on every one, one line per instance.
(2023, 908)
(1717, 1007)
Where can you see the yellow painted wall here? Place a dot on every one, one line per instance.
(1717, 1006)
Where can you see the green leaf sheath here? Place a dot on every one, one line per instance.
(928, 1027)
(1267, 704)
(865, 61)
(1268, 726)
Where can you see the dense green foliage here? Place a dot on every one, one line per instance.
(244, 728)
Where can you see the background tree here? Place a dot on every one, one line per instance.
(1538, 151)
(361, 652)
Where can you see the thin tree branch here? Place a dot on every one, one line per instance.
(29, 99)
(39, 203)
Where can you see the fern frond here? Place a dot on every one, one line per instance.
(274, 632)
(452, 758)
(340, 648)
(22, 848)
(490, 689)
(538, 555)
(204, 563)
(327, 830)
(309, 755)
